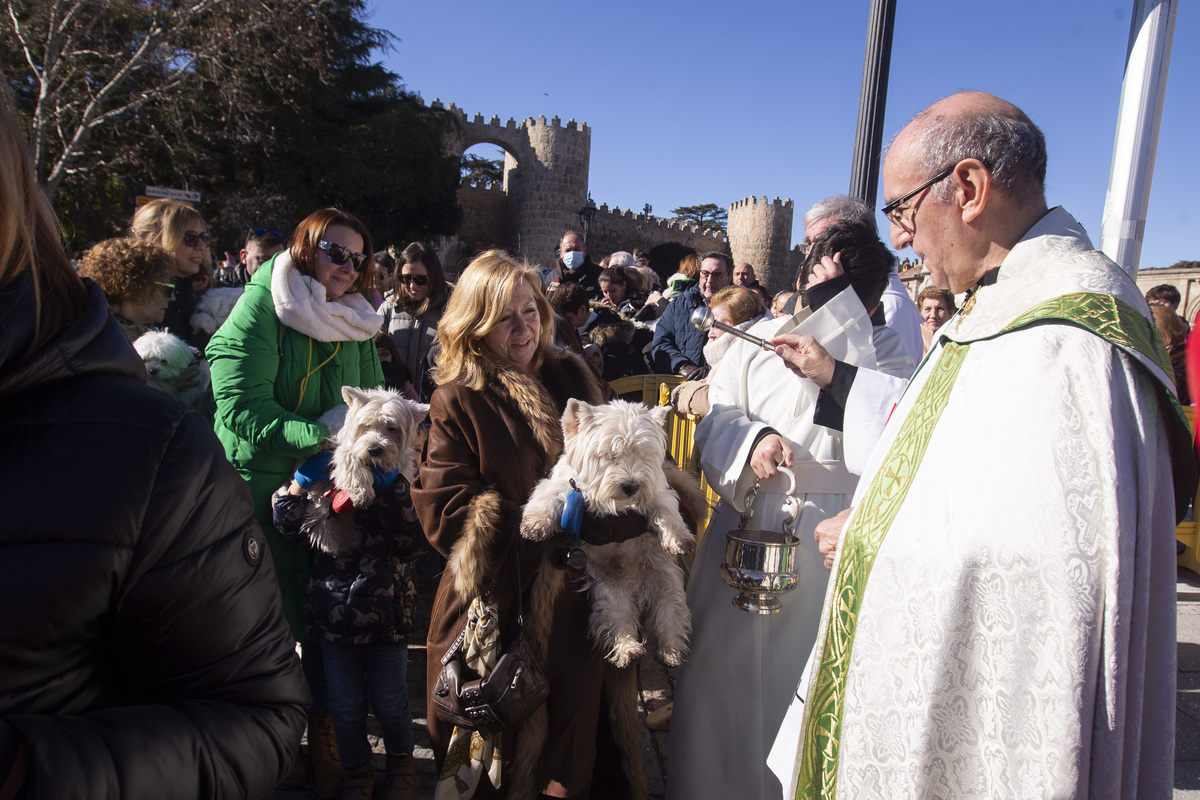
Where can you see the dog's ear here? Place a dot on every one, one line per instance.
(350, 394)
(422, 409)
(660, 414)
(575, 416)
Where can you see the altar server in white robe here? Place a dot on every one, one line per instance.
(1001, 617)
(733, 691)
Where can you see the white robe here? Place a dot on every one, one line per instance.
(1016, 637)
(732, 693)
(903, 317)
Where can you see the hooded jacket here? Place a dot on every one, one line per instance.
(143, 648)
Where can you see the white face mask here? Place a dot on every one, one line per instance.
(573, 259)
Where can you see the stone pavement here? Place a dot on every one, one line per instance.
(656, 683)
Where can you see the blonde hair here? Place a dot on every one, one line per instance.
(164, 222)
(29, 236)
(480, 299)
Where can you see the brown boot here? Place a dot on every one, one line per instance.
(401, 778)
(323, 751)
(358, 783)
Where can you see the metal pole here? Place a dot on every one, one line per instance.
(1139, 117)
(868, 138)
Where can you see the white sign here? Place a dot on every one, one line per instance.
(173, 194)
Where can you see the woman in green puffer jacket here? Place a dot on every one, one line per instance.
(303, 329)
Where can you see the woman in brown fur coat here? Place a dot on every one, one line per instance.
(502, 386)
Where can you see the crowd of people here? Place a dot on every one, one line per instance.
(1016, 602)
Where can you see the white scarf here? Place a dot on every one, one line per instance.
(300, 304)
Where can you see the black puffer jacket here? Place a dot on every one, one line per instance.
(143, 649)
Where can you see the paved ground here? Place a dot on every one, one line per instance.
(656, 684)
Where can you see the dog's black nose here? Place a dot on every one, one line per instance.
(629, 489)
(375, 452)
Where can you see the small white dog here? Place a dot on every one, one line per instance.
(173, 366)
(213, 308)
(372, 434)
(615, 455)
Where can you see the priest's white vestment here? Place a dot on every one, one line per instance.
(733, 691)
(1001, 623)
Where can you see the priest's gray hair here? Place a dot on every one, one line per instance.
(1010, 145)
(841, 208)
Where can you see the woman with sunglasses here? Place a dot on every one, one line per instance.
(137, 279)
(179, 229)
(412, 309)
(303, 329)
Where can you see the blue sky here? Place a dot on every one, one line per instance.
(711, 102)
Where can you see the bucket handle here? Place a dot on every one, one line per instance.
(792, 504)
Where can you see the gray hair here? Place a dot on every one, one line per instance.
(842, 208)
(1010, 146)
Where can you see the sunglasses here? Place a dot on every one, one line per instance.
(340, 255)
(419, 280)
(193, 238)
(168, 290)
(265, 231)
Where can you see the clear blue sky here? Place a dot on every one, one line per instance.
(711, 102)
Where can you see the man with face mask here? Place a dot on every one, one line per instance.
(575, 267)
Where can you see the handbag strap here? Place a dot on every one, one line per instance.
(457, 644)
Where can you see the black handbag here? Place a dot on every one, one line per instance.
(513, 690)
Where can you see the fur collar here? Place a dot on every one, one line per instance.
(300, 304)
(715, 349)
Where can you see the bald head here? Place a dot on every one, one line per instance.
(983, 126)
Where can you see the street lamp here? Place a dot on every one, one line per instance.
(643, 229)
(586, 214)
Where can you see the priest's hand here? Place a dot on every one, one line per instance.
(805, 356)
(828, 534)
(769, 453)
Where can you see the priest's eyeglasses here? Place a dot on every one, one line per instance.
(899, 213)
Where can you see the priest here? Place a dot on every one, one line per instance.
(1000, 618)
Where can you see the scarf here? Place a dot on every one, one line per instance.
(300, 304)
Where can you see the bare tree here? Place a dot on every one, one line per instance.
(84, 65)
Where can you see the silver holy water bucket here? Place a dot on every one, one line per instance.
(761, 564)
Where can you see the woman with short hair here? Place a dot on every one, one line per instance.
(495, 432)
(137, 278)
(303, 329)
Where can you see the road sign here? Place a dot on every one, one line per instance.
(173, 194)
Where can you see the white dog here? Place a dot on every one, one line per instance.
(615, 455)
(173, 366)
(213, 308)
(373, 433)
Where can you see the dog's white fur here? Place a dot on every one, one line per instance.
(376, 428)
(168, 360)
(213, 308)
(615, 452)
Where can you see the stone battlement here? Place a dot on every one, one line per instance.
(756, 201)
(511, 124)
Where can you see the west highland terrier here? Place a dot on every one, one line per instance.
(614, 455)
(173, 366)
(371, 436)
(213, 307)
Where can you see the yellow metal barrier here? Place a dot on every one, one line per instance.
(648, 385)
(1187, 531)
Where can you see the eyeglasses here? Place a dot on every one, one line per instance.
(340, 255)
(412, 277)
(194, 238)
(895, 211)
(265, 231)
(710, 275)
(168, 290)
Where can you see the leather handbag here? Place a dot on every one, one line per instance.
(513, 690)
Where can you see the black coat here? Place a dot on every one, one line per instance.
(143, 649)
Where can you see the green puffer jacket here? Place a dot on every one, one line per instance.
(259, 371)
